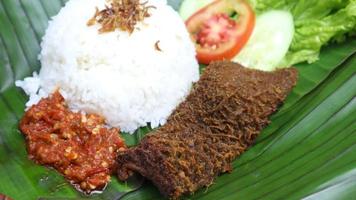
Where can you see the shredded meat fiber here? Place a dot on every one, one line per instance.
(219, 120)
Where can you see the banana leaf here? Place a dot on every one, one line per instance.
(308, 150)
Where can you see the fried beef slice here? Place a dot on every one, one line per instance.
(226, 110)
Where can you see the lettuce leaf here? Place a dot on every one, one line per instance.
(317, 23)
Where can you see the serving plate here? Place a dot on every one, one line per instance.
(308, 151)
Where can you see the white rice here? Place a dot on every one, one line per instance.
(119, 76)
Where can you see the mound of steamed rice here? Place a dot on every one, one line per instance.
(120, 76)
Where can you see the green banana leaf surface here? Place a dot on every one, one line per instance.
(307, 152)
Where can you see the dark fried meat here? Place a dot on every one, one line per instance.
(219, 120)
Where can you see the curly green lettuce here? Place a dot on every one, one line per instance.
(317, 23)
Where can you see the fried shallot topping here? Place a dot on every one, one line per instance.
(121, 14)
(157, 46)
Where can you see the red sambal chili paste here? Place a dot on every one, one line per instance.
(77, 145)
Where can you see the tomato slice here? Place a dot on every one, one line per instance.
(215, 34)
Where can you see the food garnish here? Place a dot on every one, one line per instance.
(121, 14)
(77, 145)
(219, 120)
(269, 42)
(157, 46)
(216, 35)
(317, 23)
(189, 7)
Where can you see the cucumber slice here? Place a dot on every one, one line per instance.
(189, 7)
(269, 42)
